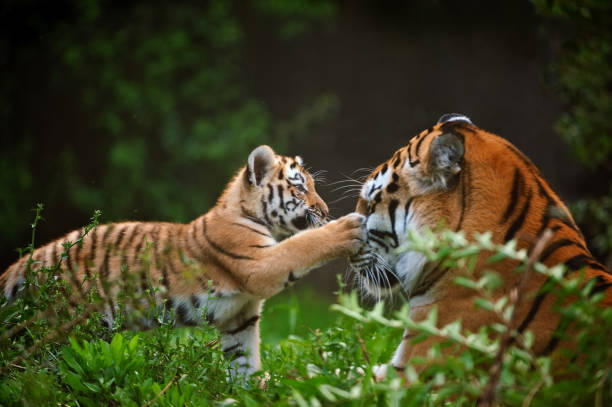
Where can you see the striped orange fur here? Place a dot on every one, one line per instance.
(266, 231)
(471, 181)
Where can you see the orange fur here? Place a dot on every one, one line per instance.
(260, 237)
(471, 181)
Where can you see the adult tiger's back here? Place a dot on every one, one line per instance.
(261, 236)
(474, 181)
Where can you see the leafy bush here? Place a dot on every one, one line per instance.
(582, 75)
(314, 365)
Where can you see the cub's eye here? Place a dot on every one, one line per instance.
(300, 188)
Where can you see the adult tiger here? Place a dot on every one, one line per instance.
(258, 239)
(472, 181)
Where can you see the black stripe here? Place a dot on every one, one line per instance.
(222, 250)
(573, 264)
(562, 326)
(104, 270)
(91, 256)
(246, 324)
(554, 246)
(265, 211)
(466, 184)
(280, 196)
(271, 193)
(144, 283)
(106, 248)
(155, 245)
(409, 154)
(120, 237)
(392, 208)
(379, 242)
(407, 211)
(261, 246)
(418, 146)
(398, 159)
(280, 174)
(161, 263)
(518, 222)
(133, 232)
(204, 284)
(552, 344)
(54, 258)
(597, 266)
(292, 277)
(537, 303)
(600, 285)
(231, 349)
(517, 183)
(431, 280)
(392, 187)
(79, 246)
(66, 250)
(218, 263)
(578, 262)
(72, 272)
(248, 215)
(195, 301)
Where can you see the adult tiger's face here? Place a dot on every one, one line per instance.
(281, 193)
(419, 187)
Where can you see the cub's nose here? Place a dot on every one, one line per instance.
(321, 207)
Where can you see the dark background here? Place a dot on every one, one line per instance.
(145, 110)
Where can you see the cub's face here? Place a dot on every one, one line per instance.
(415, 189)
(282, 193)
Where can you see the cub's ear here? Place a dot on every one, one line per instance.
(260, 163)
(445, 156)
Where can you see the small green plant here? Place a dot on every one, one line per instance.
(308, 362)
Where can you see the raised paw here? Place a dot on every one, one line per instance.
(350, 232)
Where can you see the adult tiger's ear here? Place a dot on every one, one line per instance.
(259, 165)
(445, 158)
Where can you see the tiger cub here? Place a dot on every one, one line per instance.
(259, 238)
(473, 181)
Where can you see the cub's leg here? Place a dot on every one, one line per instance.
(291, 259)
(240, 341)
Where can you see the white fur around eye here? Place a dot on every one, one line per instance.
(369, 189)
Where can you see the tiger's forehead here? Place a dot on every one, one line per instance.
(407, 158)
(292, 169)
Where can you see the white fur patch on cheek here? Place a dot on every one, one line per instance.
(369, 189)
(364, 190)
(409, 268)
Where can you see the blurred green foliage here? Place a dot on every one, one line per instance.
(582, 75)
(157, 97)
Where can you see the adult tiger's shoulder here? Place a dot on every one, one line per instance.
(473, 181)
(262, 235)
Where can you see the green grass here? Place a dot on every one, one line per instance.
(314, 352)
(295, 312)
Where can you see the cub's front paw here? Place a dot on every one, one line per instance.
(349, 233)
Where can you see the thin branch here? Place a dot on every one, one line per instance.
(516, 296)
(166, 387)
